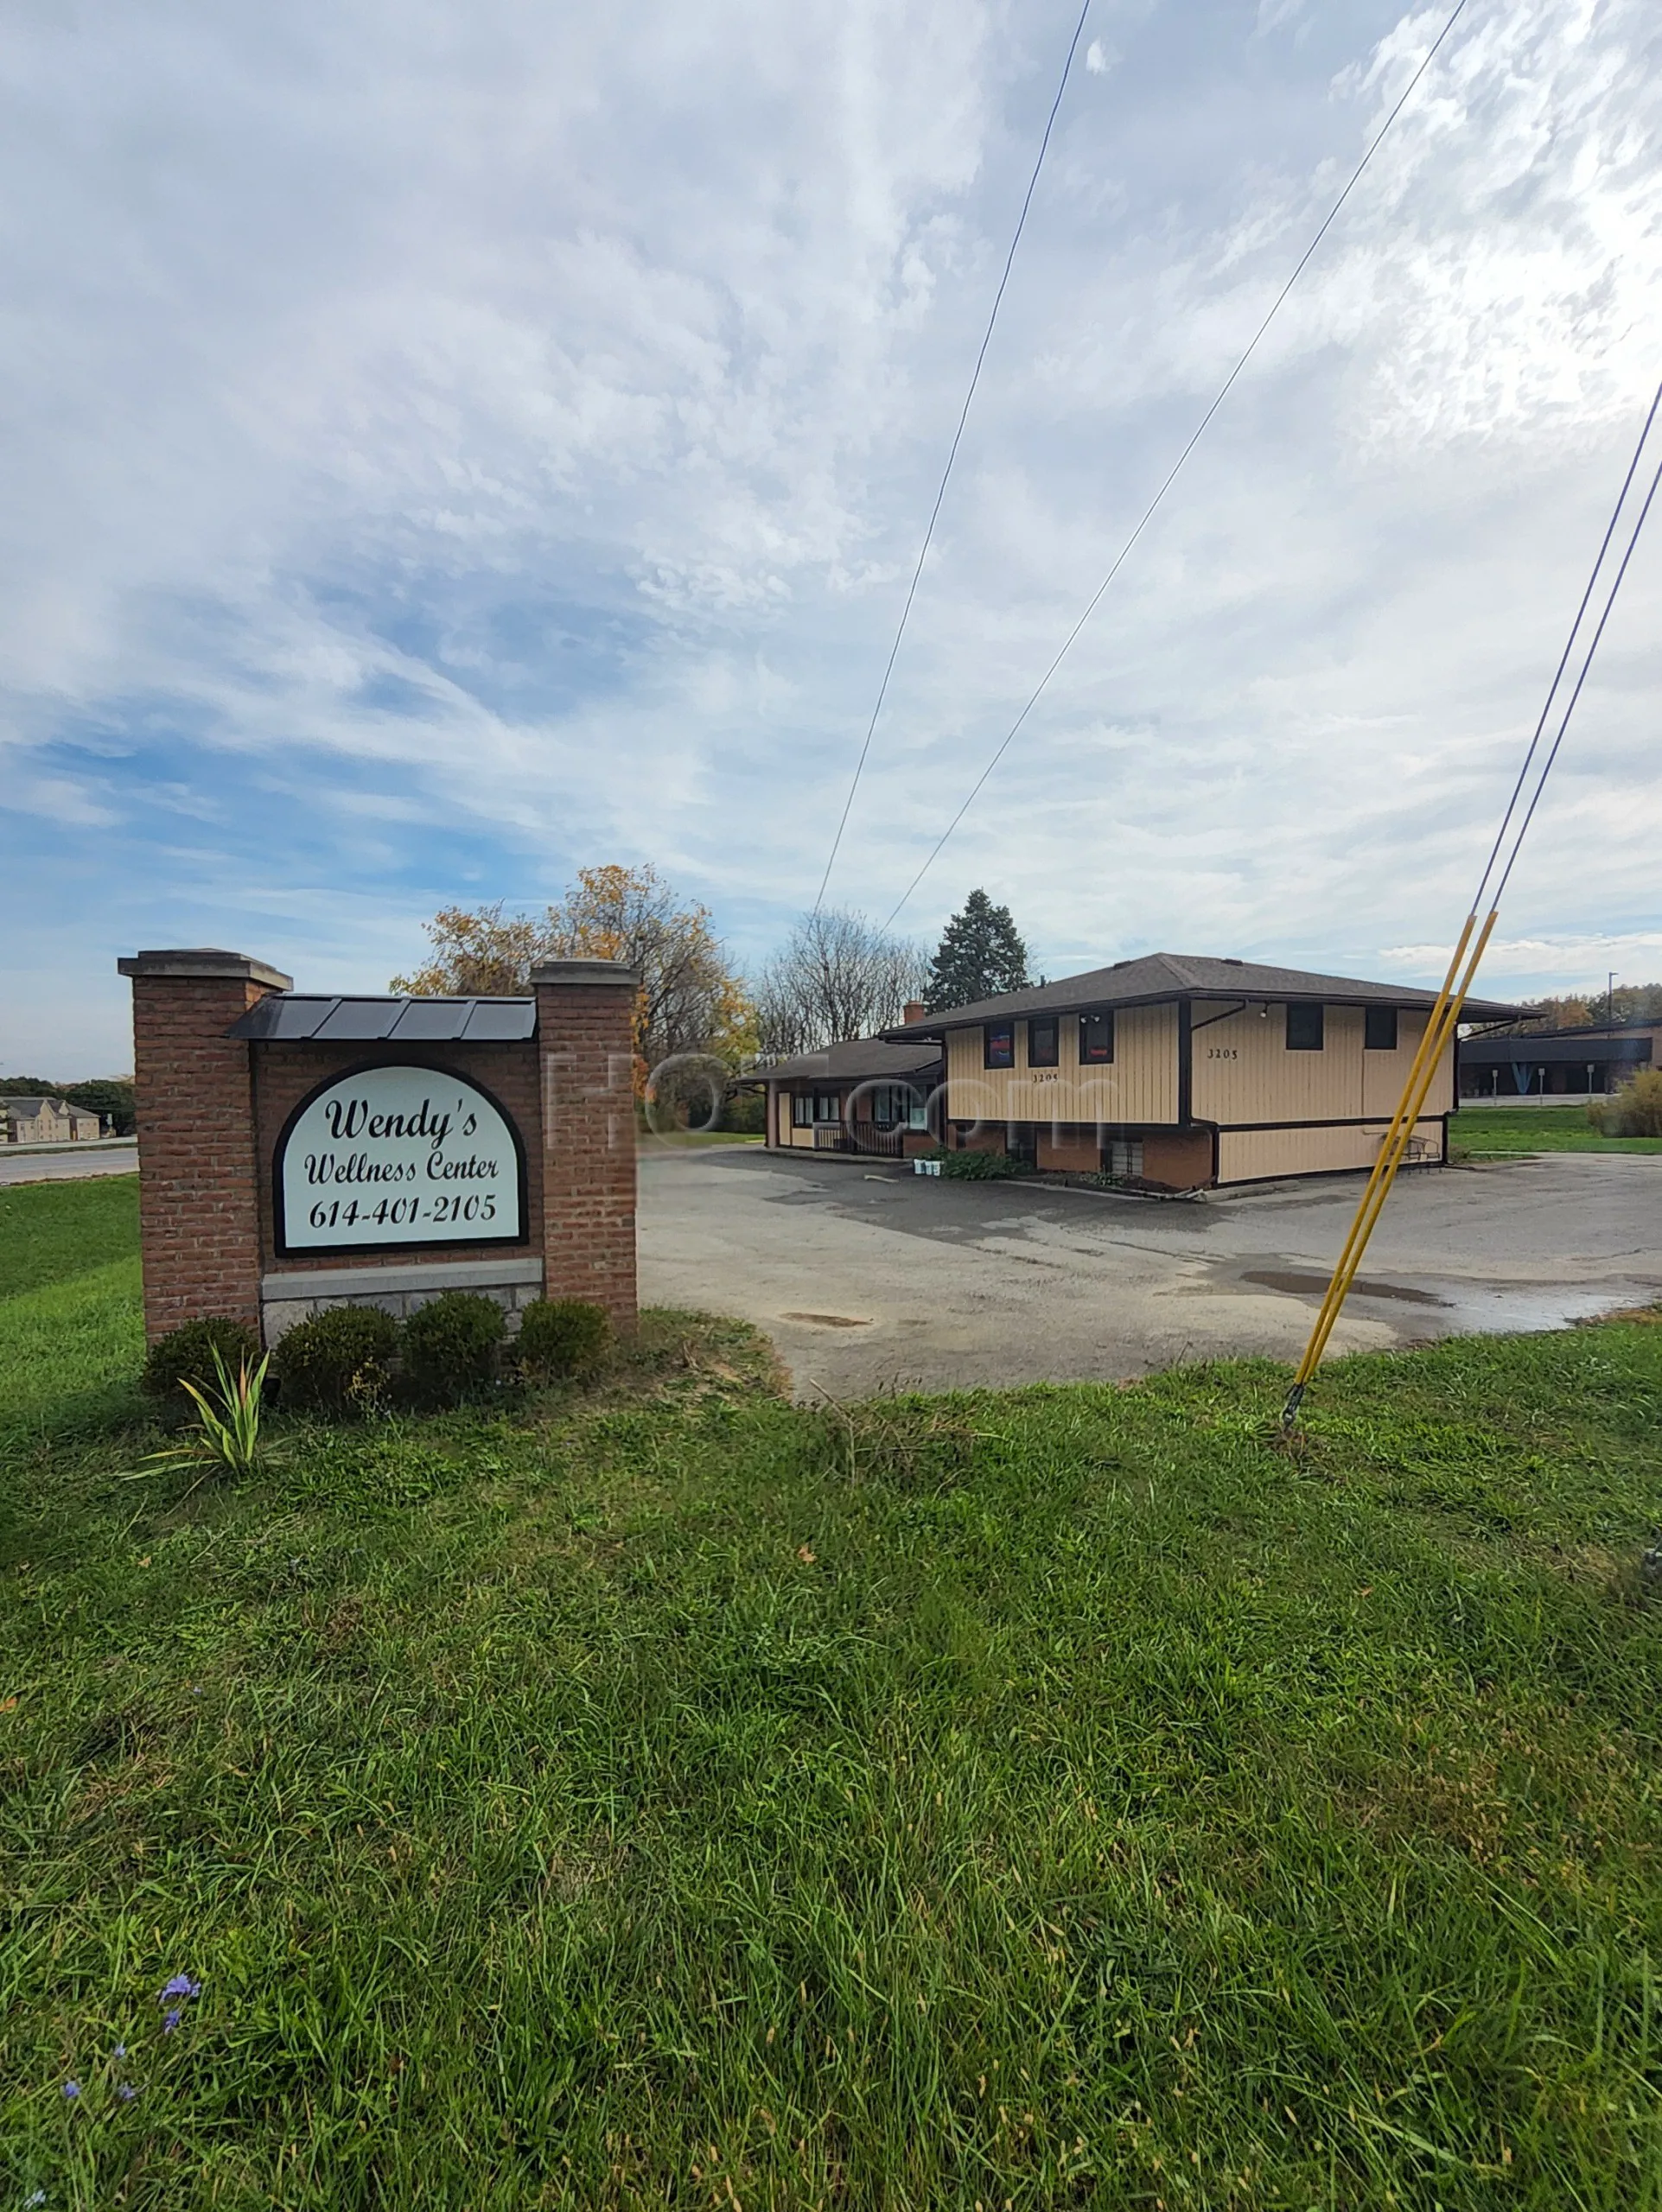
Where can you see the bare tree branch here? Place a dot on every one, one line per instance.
(836, 976)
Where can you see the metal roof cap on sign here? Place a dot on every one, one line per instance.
(290, 1017)
(356, 1021)
(501, 1021)
(286, 1017)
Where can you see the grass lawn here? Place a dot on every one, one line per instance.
(679, 1137)
(1479, 1131)
(667, 1797)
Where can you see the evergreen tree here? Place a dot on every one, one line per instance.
(980, 953)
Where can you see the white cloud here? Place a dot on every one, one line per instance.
(511, 430)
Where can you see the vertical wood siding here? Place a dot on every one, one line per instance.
(1257, 1155)
(1139, 1087)
(1244, 1072)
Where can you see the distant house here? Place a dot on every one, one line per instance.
(1557, 1063)
(1178, 1072)
(48, 1120)
(862, 1096)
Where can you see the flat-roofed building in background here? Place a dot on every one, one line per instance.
(1178, 1072)
(1565, 1065)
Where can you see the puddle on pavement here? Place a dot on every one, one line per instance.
(1536, 1305)
(828, 1321)
(1364, 1287)
(1506, 1308)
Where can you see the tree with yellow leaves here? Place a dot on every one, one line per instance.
(690, 1001)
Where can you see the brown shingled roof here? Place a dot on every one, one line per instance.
(859, 1059)
(1163, 976)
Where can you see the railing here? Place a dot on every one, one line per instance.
(879, 1144)
(863, 1137)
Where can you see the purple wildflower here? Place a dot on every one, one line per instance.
(170, 2020)
(126, 2093)
(71, 2090)
(121, 2050)
(181, 1985)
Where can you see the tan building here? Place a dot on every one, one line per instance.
(866, 1096)
(47, 1121)
(1179, 1072)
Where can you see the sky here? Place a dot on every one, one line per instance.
(445, 445)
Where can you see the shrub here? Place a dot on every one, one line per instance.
(560, 1337)
(185, 1356)
(339, 1362)
(982, 1166)
(1635, 1110)
(450, 1346)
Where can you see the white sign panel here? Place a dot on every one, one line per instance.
(396, 1156)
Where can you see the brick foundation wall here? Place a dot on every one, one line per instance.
(1074, 1151)
(1181, 1161)
(988, 1137)
(198, 1197)
(585, 1012)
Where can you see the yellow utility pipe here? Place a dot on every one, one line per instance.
(1391, 1156)
(1439, 1031)
(1392, 1152)
(1433, 1022)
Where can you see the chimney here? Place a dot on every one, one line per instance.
(913, 1010)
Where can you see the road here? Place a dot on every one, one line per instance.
(870, 1280)
(68, 1165)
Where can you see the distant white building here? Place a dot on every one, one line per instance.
(48, 1120)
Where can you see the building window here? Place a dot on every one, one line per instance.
(1304, 1028)
(998, 1045)
(892, 1104)
(917, 1113)
(1124, 1157)
(1042, 1043)
(1096, 1039)
(827, 1106)
(1379, 1029)
(801, 1109)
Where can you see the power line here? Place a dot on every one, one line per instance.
(1609, 605)
(1564, 663)
(1176, 467)
(1442, 1024)
(964, 416)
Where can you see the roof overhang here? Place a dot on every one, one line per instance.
(937, 1028)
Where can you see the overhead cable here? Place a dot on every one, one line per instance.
(1176, 467)
(952, 456)
(1442, 1024)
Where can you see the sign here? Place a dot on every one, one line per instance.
(386, 1158)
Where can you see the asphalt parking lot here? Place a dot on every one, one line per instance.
(870, 1279)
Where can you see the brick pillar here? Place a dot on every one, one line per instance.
(585, 1044)
(198, 1200)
